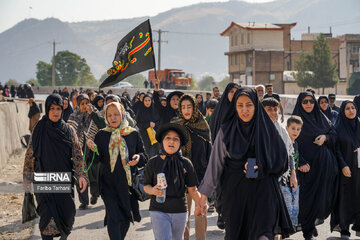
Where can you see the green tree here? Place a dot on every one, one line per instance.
(323, 67)
(70, 70)
(33, 82)
(320, 63)
(194, 85)
(303, 76)
(43, 73)
(223, 83)
(206, 83)
(12, 82)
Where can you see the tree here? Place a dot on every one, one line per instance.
(206, 83)
(320, 63)
(323, 67)
(303, 76)
(137, 80)
(223, 83)
(33, 82)
(12, 82)
(70, 70)
(44, 73)
(194, 85)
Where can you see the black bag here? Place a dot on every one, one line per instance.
(28, 209)
(138, 186)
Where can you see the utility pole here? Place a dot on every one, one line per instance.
(53, 64)
(159, 46)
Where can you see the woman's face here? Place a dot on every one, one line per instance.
(147, 102)
(231, 94)
(55, 113)
(83, 105)
(245, 108)
(324, 104)
(109, 101)
(92, 96)
(199, 98)
(113, 117)
(174, 102)
(141, 97)
(100, 103)
(171, 142)
(66, 104)
(187, 109)
(308, 104)
(350, 110)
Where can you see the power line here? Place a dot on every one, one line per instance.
(159, 46)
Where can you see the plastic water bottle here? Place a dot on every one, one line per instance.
(161, 181)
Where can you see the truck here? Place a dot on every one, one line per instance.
(171, 78)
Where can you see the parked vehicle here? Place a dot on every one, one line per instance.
(171, 78)
(123, 85)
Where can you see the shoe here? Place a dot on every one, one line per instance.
(211, 209)
(220, 223)
(83, 206)
(344, 236)
(93, 200)
(315, 233)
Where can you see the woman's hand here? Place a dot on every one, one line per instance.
(346, 171)
(156, 191)
(91, 145)
(319, 140)
(304, 168)
(246, 165)
(82, 184)
(152, 124)
(293, 180)
(200, 208)
(135, 160)
(88, 108)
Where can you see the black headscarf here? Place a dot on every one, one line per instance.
(147, 114)
(357, 103)
(315, 123)
(34, 109)
(348, 128)
(257, 138)
(327, 112)
(201, 105)
(127, 106)
(68, 111)
(220, 111)
(50, 135)
(96, 100)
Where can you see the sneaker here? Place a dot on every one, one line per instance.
(211, 209)
(220, 223)
(93, 200)
(83, 206)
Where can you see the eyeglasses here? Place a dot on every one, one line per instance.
(311, 101)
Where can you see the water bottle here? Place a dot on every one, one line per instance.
(161, 181)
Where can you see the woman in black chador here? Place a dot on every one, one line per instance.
(348, 210)
(121, 151)
(147, 119)
(54, 147)
(221, 109)
(253, 208)
(318, 167)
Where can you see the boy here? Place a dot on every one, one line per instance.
(288, 182)
(210, 106)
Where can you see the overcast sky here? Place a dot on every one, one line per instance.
(14, 11)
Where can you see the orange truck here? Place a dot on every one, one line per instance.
(171, 78)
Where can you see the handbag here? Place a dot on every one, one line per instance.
(138, 186)
(28, 209)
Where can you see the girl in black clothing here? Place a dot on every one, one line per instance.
(201, 104)
(121, 151)
(348, 210)
(148, 120)
(99, 102)
(326, 109)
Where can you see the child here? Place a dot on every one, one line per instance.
(288, 182)
(168, 219)
(210, 106)
(293, 127)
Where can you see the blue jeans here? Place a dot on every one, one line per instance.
(292, 202)
(168, 226)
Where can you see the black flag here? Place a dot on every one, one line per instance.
(134, 54)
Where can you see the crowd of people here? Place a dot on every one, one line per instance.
(226, 152)
(22, 91)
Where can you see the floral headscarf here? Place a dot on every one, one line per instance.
(117, 143)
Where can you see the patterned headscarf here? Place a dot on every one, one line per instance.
(196, 124)
(117, 143)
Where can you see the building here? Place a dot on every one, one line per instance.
(259, 53)
(349, 55)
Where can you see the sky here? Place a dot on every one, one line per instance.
(14, 11)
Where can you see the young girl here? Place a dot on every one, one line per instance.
(168, 219)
